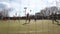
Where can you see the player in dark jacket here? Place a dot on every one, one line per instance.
(54, 18)
(27, 19)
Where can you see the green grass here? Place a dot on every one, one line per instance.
(38, 27)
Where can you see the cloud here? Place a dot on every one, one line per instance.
(5, 5)
(34, 5)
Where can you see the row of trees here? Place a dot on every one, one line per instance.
(4, 10)
(48, 11)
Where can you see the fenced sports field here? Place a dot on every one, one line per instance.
(38, 27)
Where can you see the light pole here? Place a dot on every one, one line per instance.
(25, 9)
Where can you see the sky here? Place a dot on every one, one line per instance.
(34, 5)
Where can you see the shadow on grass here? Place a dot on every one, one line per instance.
(58, 24)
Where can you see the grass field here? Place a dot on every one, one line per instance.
(38, 27)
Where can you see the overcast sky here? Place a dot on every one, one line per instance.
(34, 5)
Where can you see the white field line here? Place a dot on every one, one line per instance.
(29, 31)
